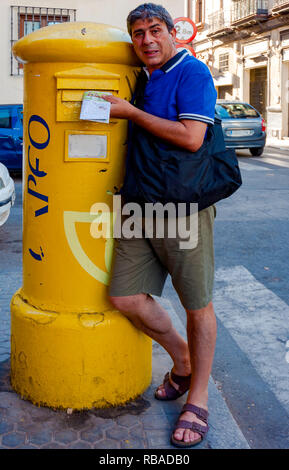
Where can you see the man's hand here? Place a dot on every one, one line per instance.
(120, 108)
(186, 133)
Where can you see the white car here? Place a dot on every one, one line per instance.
(7, 193)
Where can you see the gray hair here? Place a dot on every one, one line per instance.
(149, 10)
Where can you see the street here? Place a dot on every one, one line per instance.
(251, 366)
(251, 297)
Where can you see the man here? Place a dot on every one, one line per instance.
(178, 105)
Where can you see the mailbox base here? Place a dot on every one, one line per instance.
(79, 361)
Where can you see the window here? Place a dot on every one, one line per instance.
(5, 118)
(224, 62)
(30, 23)
(198, 11)
(25, 20)
(236, 110)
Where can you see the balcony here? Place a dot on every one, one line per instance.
(247, 12)
(219, 24)
(280, 6)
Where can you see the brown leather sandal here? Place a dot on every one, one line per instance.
(202, 414)
(171, 392)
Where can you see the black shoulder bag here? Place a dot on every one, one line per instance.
(176, 175)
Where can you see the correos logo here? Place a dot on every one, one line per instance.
(36, 173)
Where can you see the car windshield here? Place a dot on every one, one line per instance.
(235, 111)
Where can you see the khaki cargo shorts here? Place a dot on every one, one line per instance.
(141, 265)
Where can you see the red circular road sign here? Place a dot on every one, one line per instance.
(186, 30)
(189, 48)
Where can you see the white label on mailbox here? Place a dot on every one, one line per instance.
(87, 146)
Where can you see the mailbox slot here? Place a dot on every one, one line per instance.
(72, 84)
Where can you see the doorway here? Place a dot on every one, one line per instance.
(258, 89)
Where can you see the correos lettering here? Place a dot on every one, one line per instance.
(35, 170)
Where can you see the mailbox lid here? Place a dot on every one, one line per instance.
(71, 84)
(87, 78)
(77, 42)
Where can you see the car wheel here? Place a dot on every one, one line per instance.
(257, 152)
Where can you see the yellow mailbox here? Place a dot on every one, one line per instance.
(69, 347)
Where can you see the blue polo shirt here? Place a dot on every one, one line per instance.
(182, 89)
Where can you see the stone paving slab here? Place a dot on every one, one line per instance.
(144, 423)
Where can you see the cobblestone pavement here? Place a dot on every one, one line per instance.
(142, 424)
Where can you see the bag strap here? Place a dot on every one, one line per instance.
(138, 101)
(138, 95)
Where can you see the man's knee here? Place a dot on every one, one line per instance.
(208, 309)
(127, 304)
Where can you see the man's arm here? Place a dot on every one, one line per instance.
(186, 133)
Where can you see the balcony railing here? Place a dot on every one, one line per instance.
(248, 11)
(280, 6)
(219, 23)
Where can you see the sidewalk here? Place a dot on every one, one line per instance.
(142, 424)
(282, 144)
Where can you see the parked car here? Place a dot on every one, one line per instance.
(243, 126)
(7, 193)
(11, 135)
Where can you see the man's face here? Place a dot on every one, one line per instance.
(152, 42)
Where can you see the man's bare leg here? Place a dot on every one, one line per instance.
(148, 316)
(201, 330)
(151, 318)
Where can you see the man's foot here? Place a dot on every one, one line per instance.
(183, 436)
(174, 385)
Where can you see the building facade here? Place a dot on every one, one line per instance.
(21, 17)
(246, 45)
